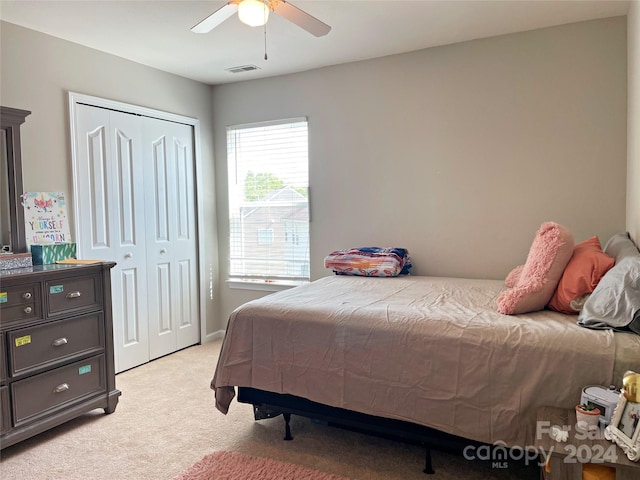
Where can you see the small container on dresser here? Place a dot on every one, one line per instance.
(56, 347)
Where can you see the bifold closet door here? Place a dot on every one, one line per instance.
(136, 206)
(111, 210)
(170, 236)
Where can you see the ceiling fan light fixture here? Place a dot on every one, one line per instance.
(254, 13)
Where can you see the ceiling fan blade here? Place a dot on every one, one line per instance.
(301, 18)
(216, 18)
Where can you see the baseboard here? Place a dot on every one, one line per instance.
(212, 337)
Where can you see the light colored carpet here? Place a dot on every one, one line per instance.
(166, 421)
(234, 465)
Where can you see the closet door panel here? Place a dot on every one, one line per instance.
(174, 322)
(162, 334)
(185, 251)
(110, 208)
(129, 276)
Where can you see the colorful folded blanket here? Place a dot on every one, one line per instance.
(369, 262)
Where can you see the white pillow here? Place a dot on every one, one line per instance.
(615, 302)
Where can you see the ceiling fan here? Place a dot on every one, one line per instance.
(256, 13)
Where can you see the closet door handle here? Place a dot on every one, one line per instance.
(163, 251)
(58, 342)
(63, 387)
(26, 295)
(75, 294)
(128, 255)
(28, 310)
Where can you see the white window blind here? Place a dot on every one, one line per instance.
(268, 167)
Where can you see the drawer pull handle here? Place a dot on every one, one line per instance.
(28, 310)
(75, 294)
(26, 295)
(63, 387)
(58, 342)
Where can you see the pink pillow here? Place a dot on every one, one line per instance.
(583, 272)
(549, 254)
(513, 277)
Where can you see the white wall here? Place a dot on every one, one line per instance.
(459, 152)
(38, 70)
(633, 122)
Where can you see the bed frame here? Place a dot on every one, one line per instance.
(270, 405)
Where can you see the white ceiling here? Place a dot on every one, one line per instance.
(157, 33)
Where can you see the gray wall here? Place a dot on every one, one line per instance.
(38, 71)
(458, 153)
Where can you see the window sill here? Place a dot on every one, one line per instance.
(264, 285)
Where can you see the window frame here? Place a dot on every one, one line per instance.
(265, 282)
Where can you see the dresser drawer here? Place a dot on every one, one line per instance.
(68, 295)
(20, 302)
(41, 394)
(45, 345)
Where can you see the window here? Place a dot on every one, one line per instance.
(265, 236)
(268, 166)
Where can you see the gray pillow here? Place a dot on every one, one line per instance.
(615, 302)
(620, 246)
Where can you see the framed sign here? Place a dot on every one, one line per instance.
(624, 428)
(45, 218)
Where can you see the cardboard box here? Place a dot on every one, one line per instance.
(51, 253)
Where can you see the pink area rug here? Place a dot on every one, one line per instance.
(238, 466)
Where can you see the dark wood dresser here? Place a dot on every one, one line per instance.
(56, 347)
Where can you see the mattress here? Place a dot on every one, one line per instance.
(428, 350)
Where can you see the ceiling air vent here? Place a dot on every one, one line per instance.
(242, 68)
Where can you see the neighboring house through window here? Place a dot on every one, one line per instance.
(268, 166)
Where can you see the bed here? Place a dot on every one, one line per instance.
(427, 350)
(422, 351)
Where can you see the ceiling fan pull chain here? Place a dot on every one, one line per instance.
(265, 41)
